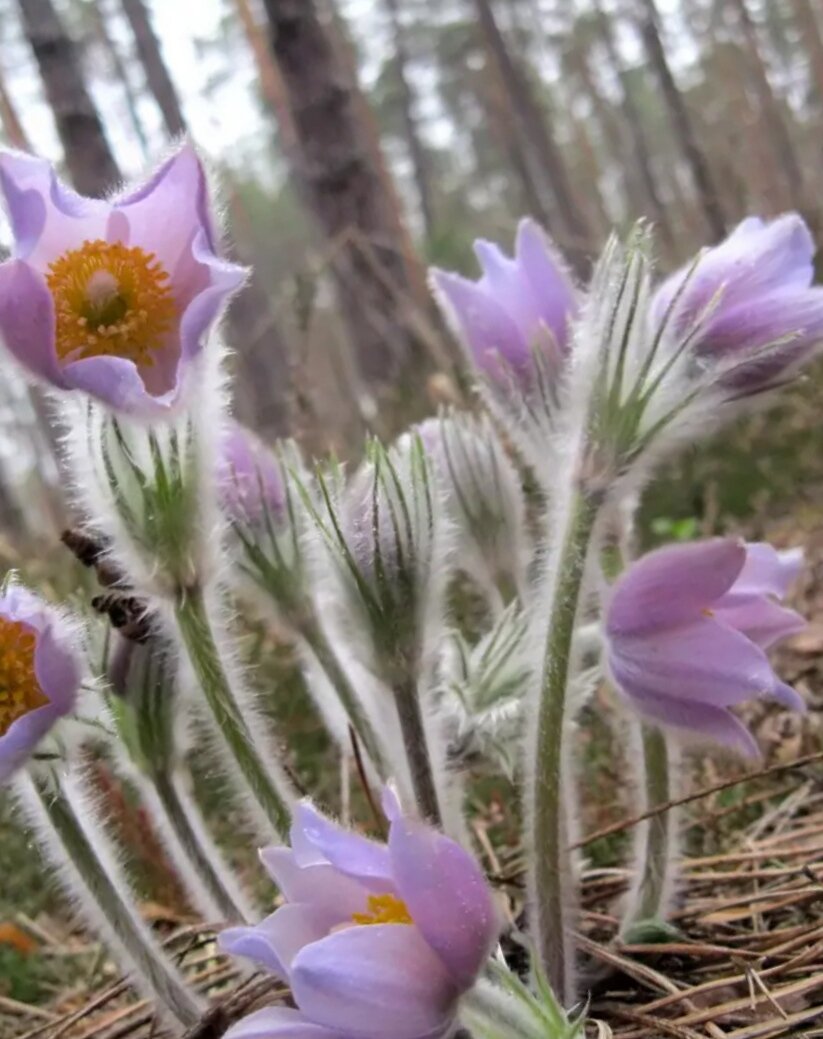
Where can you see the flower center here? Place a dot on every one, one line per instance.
(20, 691)
(384, 909)
(110, 300)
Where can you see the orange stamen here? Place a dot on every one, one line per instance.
(110, 300)
(20, 691)
(384, 909)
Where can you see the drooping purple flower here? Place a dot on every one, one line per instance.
(39, 674)
(687, 627)
(113, 298)
(249, 478)
(763, 316)
(518, 305)
(374, 940)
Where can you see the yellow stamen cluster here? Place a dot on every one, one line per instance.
(384, 909)
(20, 691)
(110, 300)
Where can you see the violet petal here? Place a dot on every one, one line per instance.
(375, 981)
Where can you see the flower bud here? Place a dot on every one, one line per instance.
(484, 498)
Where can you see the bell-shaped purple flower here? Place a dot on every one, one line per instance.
(762, 316)
(113, 298)
(39, 674)
(519, 305)
(687, 627)
(249, 478)
(374, 940)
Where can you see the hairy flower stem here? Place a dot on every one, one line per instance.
(70, 832)
(212, 675)
(195, 851)
(317, 641)
(417, 748)
(550, 899)
(655, 857)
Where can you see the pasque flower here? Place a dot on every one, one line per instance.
(686, 632)
(519, 305)
(249, 477)
(39, 674)
(374, 940)
(483, 496)
(113, 298)
(762, 315)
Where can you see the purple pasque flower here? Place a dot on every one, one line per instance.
(113, 298)
(249, 478)
(39, 674)
(518, 305)
(373, 939)
(762, 316)
(687, 627)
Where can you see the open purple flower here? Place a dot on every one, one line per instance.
(113, 298)
(39, 675)
(687, 628)
(764, 317)
(374, 940)
(249, 478)
(517, 306)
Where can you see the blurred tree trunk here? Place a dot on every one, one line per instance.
(810, 33)
(344, 49)
(782, 150)
(498, 114)
(681, 121)
(345, 190)
(262, 382)
(575, 234)
(90, 161)
(634, 124)
(158, 79)
(416, 148)
(578, 65)
(271, 82)
(99, 13)
(10, 121)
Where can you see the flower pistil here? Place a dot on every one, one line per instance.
(20, 691)
(384, 909)
(110, 299)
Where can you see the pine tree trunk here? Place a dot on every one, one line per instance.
(262, 380)
(271, 82)
(812, 40)
(366, 118)
(159, 81)
(576, 235)
(681, 121)
(497, 114)
(634, 124)
(608, 120)
(782, 150)
(10, 120)
(98, 13)
(416, 148)
(345, 190)
(89, 158)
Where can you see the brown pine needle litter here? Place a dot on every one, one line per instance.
(747, 964)
(746, 961)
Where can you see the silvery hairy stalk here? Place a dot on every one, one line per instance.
(382, 555)
(260, 490)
